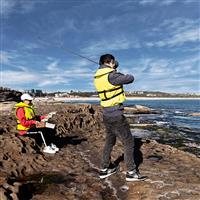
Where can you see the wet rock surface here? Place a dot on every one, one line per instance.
(139, 109)
(72, 173)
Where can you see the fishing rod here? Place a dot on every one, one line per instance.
(70, 51)
(74, 53)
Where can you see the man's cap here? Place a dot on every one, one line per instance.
(26, 97)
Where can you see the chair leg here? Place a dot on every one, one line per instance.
(40, 132)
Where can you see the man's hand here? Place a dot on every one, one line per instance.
(40, 124)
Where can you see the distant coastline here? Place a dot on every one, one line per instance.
(69, 99)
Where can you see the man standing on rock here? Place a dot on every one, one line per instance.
(109, 85)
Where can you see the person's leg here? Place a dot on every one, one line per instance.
(109, 143)
(33, 133)
(124, 134)
(107, 167)
(49, 135)
(127, 139)
(43, 136)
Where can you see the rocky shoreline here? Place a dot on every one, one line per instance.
(72, 173)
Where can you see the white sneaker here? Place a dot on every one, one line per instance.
(49, 149)
(53, 146)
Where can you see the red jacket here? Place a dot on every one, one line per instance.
(23, 121)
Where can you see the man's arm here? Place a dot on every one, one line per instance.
(117, 78)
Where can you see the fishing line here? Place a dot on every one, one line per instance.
(69, 51)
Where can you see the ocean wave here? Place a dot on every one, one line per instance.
(160, 123)
(178, 112)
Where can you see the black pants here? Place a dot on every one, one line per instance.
(47, 133)
(118, 127)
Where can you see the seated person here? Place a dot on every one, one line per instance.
(30, 123)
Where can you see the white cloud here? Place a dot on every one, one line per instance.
(191, 35)
(27, 6)
(176, 32)
(77, 73)
(9, 7)
(114, 44)
(53, 66)
(157, 68)
(30, 46)
(102, 23)
(75, 69)
(179, 38)
(167, 2)
(16, 78)
(190, 1)
(4, 57)
(14, 60)
(166, 83)
(22, 78)
(81, 62)
(67, 26)
(157, 2)
(190, 61)
(55, 80)
(144, 2)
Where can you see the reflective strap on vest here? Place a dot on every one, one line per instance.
(111, 90)
(113, 96)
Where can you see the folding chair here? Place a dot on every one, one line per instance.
(40, 132)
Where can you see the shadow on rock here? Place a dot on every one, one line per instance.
(73, 140)
(51, 137)
(38, 183)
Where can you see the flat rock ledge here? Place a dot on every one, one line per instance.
(72, 173)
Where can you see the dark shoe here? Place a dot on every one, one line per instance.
(135, 176)
(104, 173)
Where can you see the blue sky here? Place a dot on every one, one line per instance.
(158, 41)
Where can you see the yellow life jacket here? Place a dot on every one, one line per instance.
(109, 94)
(29, 114)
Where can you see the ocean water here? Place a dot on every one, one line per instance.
(181, 129)
(174, 112)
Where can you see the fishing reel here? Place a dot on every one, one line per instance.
(116, 64)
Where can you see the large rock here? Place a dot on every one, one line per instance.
(194, 114)
(139, 109)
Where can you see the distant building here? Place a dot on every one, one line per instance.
(35, 93)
